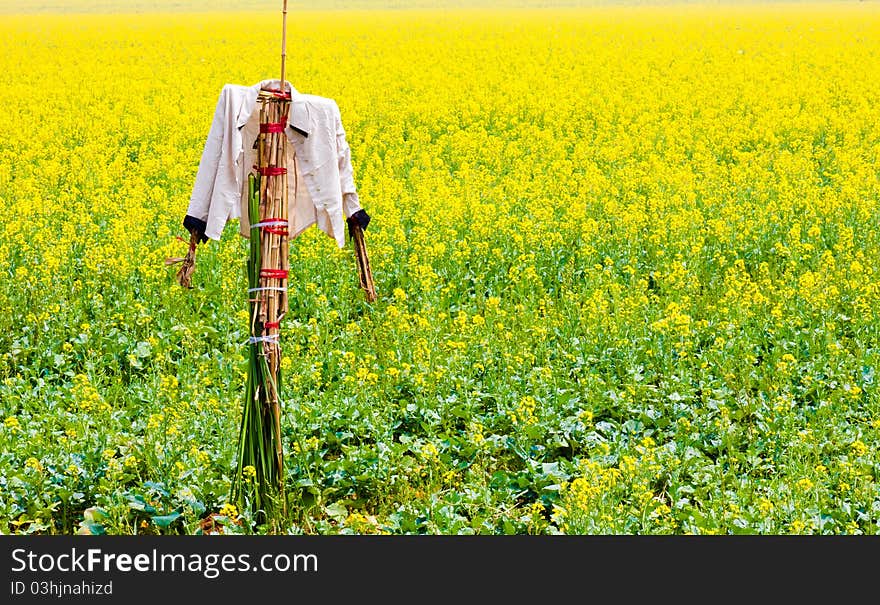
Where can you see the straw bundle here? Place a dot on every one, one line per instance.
(260, 446)
(188, 262)
(365, 273)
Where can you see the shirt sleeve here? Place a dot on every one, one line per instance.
(216, 188)
(209, 164)
(350, 201)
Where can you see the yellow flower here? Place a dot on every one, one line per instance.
(429, 451)
(805, 484)
(249, 473)
(858, 448)
(525, 411)
(229, 510)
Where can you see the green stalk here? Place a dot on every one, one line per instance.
(250, 444)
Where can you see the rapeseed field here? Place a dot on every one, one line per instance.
(626, 257)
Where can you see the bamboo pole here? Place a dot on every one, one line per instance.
(283, 42)
(260, 441)
(273, 247)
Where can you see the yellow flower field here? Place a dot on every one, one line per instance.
(627, 264)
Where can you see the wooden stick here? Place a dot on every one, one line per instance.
(283, 42)
(270, 213)
(285, 244)
(365, 273)
(270, 305)
(274, 247)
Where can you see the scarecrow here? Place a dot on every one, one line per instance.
(277, 160)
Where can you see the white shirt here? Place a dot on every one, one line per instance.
(321, 161)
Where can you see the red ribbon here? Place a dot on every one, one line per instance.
(272, 170)
(272, 325)
(281, 229)
(274, 273)
(277, 93)
(272, 127)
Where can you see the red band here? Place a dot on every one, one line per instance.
(276, 230)
(274, 273)
(272, 170)
(272, 325)
(272, 127)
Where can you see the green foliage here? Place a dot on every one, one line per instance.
(626, 284)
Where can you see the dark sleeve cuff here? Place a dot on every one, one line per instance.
(360, 218)
(194, 225)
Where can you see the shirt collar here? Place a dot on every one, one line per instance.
(298, 112)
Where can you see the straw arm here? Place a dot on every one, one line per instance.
(365, 273)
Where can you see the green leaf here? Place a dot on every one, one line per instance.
(156, 487)
(337, 511)
(138, 502)
(91, 529)
(533, 431)
(197, 507)
(95, 515)
(164, 521)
